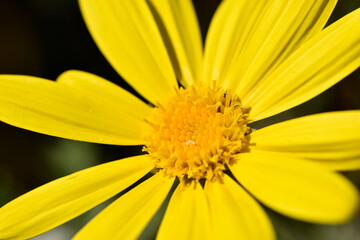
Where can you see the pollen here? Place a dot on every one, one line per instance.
(198, 133)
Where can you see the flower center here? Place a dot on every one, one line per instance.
(197, 133)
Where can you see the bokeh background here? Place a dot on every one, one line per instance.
(44, 38)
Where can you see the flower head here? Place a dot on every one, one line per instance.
(260, 58)
(198, 133)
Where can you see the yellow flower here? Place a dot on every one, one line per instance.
(261, 58)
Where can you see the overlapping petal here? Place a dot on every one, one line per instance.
(343, 165)
(187, 216)
(318, 64)
(127, 217)
(62, 110)
(235, 214)
(63, 199)
(110, 94)
(181, 34)
(331, 139)
(249, 39)
(127, 34)
(296, 188)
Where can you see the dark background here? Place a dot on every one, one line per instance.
(45, 38)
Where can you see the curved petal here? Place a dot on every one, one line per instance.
(297, 188)
(63, 199)
(317, 65)
(127, 217)
(235, 214)
(127, 34)
(187, 216)
(249, 39)
(181, 34)
(343, 165)
(65, 111)
(328, 138)
(100, 88)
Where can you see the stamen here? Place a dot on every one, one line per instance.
(198, 133)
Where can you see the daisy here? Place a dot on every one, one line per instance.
(260, 58)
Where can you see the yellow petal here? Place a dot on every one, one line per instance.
(127, 217)
(180, 30)
(98, 88)
(65, 111)
(248, 39)
(343, 165)
(235, 214)
(297, 188)
(317, 65)
(63, 199)
(187, 216)
(127, 34)
(328, 138)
